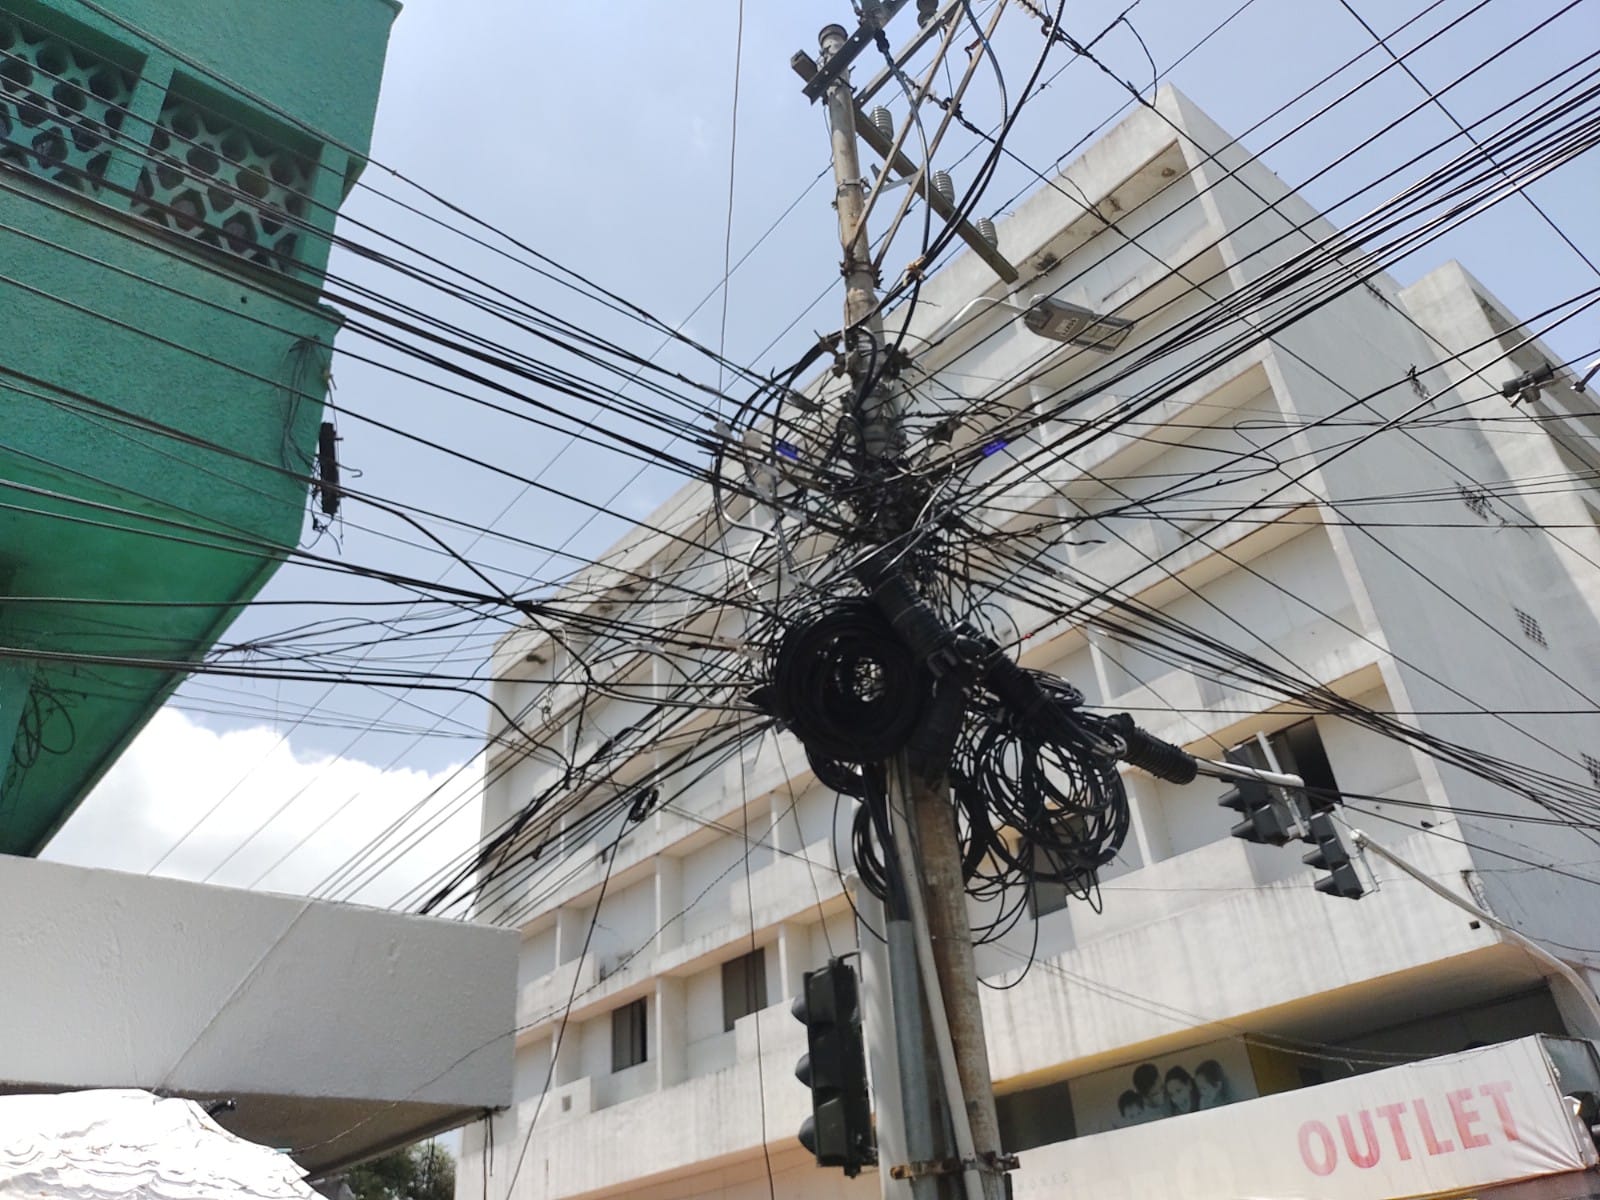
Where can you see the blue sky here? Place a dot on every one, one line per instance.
(600, 135)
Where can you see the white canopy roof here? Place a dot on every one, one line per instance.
(131, 1145)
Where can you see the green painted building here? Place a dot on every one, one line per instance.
(170, 171)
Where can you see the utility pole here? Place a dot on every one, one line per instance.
(931, 880)
(944, 894)
(862, 321)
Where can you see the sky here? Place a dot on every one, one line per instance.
(601, 136)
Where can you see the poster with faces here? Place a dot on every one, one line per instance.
(1153, 1089)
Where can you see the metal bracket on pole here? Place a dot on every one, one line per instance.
(805, 67)
(953, 1166)
(873, 18)
(901, 165)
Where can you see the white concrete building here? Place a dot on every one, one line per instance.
(1444, 570)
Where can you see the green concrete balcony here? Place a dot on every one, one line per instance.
(170, 173)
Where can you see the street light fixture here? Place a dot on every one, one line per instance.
(1050, 318)
(1063, 322)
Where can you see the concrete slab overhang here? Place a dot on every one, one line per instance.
(339, 1031)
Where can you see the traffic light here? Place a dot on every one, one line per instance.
(839, 1130)
(1267, 820)
(1332, 855)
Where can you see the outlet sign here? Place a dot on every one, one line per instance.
(1429, 1128)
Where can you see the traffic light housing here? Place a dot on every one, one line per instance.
(834, 1067)
(1331, 854)
(1267, 819)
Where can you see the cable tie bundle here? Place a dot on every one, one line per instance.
(1149, 753)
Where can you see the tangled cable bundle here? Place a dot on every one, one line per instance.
(850, 690)
(1037, 800)
(1056, 809)
(1036, 793)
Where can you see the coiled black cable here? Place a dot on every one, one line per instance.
(1045, 778)
(846, 686)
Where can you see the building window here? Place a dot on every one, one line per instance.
(744, 986)
(1218, 685)
(1531, 629)
(629, 1045)
(1045, 896)
(226, 186)
(61, 107)
(1592, 765)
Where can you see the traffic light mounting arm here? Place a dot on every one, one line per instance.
(1560, 965)
(1228, 770)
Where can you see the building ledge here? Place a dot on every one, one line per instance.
(324, 1022)
(1436, 1127)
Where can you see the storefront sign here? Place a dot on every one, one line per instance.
(1466, 1120)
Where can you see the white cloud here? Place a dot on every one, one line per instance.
(177, 770)
(699, 135)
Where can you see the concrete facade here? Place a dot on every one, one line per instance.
(169, 178)
(1407, 573)
(320, 1020)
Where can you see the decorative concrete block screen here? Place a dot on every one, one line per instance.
(61, 107)
(224, 185)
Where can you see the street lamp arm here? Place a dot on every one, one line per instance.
(1560, 965)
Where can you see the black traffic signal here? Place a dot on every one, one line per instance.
(839, 1130)
(1332, 855)
(1267, 819)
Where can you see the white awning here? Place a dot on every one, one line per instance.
(130, 1145)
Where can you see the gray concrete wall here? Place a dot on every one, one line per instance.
(338, 1028)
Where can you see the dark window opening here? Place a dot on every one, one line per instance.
(629, 1047)
(1299, 751)
(744, 986)
(1045, 896)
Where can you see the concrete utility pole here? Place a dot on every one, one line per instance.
(944, 893)
(927, 845)
(862, 321)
